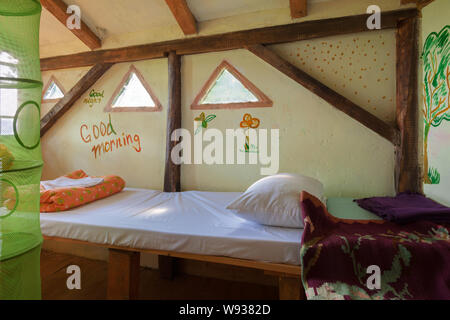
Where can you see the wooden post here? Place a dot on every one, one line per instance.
(172, 180)
(123, 275)
(290, 288)
(172, 170)
(408, 175)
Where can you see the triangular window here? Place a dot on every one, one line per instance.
(53, 91)
(133, 94)
(228, 88)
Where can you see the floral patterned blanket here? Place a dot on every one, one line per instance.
(372, 259)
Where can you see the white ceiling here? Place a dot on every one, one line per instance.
(110, 18)
(215, 9)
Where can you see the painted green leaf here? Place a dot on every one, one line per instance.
(436, 82)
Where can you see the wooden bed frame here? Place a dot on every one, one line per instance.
(123, 271)
(124, 264)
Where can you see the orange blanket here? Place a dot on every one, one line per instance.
(55, 200)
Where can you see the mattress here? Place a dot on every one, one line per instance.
(346, 208)
(190, 222)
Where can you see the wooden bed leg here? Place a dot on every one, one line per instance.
(123, 275)
(290, 288)
(166, 267)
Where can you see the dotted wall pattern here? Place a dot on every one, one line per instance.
(360, 67)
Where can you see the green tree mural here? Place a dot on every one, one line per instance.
(436, 90)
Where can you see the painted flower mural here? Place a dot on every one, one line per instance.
(436, 91)
(203, 120)
(249, 122)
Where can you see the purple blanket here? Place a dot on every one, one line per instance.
(372, 259)
(406, 208)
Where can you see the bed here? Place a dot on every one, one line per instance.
(364, 257)
(191, 224)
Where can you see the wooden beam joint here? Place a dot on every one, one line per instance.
(298, 8)
(183, 15)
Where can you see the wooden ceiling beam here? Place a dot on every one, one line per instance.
(332, 97)
(298, 8)
(72, 96)
(420, 3)
(59, 10)
(183, 15)
(228, 41)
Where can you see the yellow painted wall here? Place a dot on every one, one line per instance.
(315, 138)
(64, 150)
(66, 78)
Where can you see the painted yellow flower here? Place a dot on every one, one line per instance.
(248, 122)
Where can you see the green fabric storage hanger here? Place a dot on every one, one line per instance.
(20, 151)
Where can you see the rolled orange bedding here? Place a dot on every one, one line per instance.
(55, 200)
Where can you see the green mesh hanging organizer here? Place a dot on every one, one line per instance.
(20, 150)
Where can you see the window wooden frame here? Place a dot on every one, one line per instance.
(263, 100)
(109, 107)
(49, 82)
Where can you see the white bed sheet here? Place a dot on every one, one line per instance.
(190, 222)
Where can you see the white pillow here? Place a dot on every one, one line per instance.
(275, 200)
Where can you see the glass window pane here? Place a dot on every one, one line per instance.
(228, 89)
(133, 94)
(53, 92)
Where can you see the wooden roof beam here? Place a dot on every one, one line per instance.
(420, 3)
(59, 10)
(332, 97)
(228, 41)
(298, 8)
(183, 15)
(72, 96)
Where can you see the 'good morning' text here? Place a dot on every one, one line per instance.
(111, 140)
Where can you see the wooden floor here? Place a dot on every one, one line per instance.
(93, 283)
